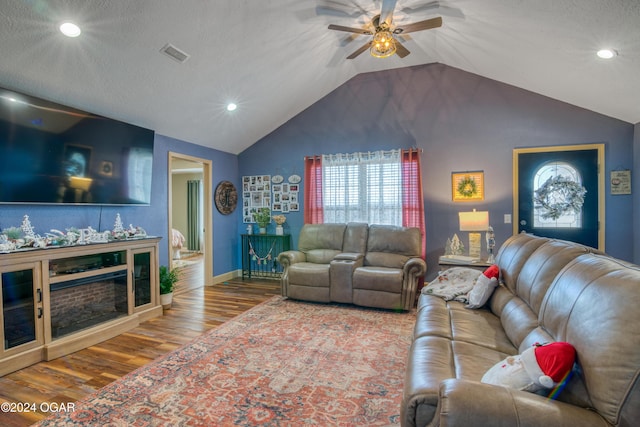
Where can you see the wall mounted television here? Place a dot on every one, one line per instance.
(54, 154)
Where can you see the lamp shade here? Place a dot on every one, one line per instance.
(474, 221)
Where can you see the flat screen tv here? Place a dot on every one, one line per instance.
(53, 154)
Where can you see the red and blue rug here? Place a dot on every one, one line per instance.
(281, 363)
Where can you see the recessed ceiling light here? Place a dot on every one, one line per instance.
(70, 29)
(231, 106)
(606, 53)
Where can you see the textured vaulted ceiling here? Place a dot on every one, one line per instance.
(274, 58)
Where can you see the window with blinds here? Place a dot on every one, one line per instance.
(362, 187)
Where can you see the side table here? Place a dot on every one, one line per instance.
(446, 262)
(260, 255)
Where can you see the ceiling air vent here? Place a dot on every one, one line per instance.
(174, 53)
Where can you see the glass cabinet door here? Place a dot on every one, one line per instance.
(21, 307)
(142, 278)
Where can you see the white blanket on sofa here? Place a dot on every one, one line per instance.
(453, 284)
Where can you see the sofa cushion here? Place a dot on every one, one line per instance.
(355, 237)
(541, 267)
(378, 299)
(471, 360)
(520, 315)
(321, 236)
(436, 317)
(378, 279)
(309, 274)
(308, 293)
(480, 328)
(512, 255)
(391, 246)
(432, 318)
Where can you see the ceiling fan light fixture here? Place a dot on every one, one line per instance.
(383, 45)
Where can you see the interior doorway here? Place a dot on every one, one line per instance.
(190, 220)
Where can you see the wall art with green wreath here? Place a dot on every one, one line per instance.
(467, 186)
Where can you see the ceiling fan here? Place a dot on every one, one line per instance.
(382, 28)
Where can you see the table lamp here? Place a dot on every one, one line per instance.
(473, 222)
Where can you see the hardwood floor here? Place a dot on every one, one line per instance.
(71, 377)
(191, 275)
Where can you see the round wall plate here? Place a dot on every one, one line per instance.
(294, 179)
(277, 179)
(226, 197)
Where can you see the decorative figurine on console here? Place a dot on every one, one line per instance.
(27, 228)
(454, 246)
(491, 244)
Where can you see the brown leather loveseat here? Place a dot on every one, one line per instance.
(373, 266)
(550, 291)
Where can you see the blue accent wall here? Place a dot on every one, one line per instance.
(152, 218)
(635, 185)
(462, 122)
(224, 167)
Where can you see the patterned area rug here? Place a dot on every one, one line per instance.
(281, 363)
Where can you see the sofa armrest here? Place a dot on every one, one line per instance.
(415, 267)
(349, 256)
(287, 258)
(412, 270)
(465, 403)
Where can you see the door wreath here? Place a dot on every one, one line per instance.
(559, 196)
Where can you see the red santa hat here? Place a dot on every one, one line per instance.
(548, 364)
(492, 271)
(489, 276)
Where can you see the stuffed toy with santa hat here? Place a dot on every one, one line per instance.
(538, 368)
(483, 287)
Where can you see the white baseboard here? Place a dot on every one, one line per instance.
(226, 276)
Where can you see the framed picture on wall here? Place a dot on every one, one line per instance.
(256, 194)
(285, 197)
(467, 186)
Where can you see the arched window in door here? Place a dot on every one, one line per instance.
(558, 196)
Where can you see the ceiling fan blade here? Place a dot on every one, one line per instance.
(349, 29)
(401, 51)
(332, 11)
(435, 7)
(339, 8)
(360, 50)
(419, 26)
(386, 11)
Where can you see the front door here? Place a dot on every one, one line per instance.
(559, 193)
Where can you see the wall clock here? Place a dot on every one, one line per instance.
(226, 197)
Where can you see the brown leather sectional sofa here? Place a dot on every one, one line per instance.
(373, 266)
(550, 291)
